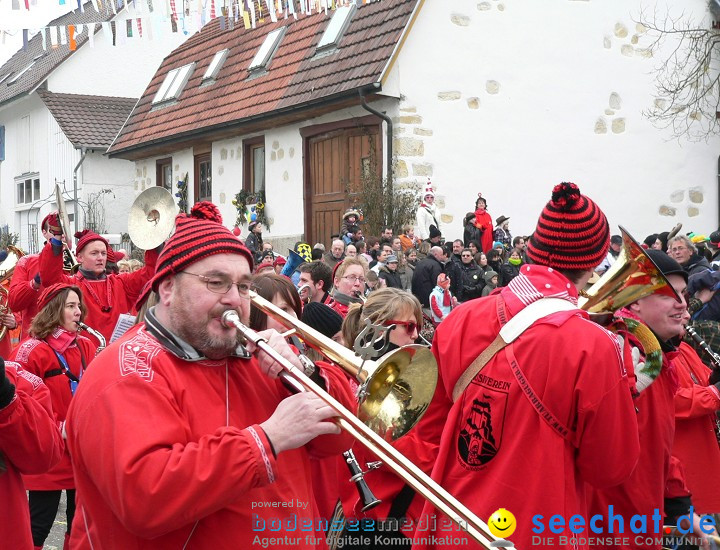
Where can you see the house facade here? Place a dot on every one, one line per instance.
(59, 111)
(500, 98)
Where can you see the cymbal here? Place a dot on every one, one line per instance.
(152, 218)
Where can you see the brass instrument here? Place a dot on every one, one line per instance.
(152, 218)
(96, 334)
(6, 271)
(634, 275)
(401, 368)
(70, 263)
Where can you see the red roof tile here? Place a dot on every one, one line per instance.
(88, 120)
(295, 77)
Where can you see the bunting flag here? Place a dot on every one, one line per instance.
(164, 17)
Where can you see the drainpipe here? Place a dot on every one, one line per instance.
(389, 130)
(75, 186)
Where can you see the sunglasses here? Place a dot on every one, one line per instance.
(410, 326)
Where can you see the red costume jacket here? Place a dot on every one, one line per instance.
(695, 443)
(36, 356)
(168, 451)
(497, 451)
(23, 297)
(117, 292)
(645, 490)
(30, 443)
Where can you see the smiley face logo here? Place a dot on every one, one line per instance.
(502, 523)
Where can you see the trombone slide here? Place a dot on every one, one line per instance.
(393, 459)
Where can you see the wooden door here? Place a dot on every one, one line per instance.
(335, 164)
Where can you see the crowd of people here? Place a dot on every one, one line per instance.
(182, 433)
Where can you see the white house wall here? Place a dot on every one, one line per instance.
(26, 155)
(123, 70)
(511, 97)
(112, 182)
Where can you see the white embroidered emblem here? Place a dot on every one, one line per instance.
(23, 352)
(136, 356)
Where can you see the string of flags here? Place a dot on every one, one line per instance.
(147, 19)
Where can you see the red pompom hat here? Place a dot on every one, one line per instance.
(86, 237)
(197, 236)
(572, 232)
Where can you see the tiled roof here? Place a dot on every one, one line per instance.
(50, 59)
(295, 77)
(89, 120)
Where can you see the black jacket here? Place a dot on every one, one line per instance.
(696, 264)
(425, 278)
(473, 281)
(508, 272)
(392, 279)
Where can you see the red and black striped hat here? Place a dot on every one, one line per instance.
(197, 236)
(572, 232)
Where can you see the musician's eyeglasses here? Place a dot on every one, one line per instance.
(221, 285)
(353, 279)
(410, 326)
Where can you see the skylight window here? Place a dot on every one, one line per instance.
(4, 78)
(266, 51)
(14, 79)
(215, 65)
(174, 83)
(335, 29)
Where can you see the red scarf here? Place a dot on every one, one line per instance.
(60, 339)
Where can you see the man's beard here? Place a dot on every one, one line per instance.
(195, 332)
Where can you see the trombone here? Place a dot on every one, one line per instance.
(391, 368)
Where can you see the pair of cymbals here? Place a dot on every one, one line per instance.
(152, 218)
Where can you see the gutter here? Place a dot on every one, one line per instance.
(389, 152)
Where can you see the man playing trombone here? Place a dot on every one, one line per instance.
(183, 439)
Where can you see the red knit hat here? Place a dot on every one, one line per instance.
(53, 229)
(572, 232)
(197, 236)
(53, 290)
(86, 237)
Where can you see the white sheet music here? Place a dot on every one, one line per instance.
(124, 322)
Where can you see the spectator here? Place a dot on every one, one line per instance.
(350, 219)
(354, 235)
(408, 237)
(511, 267)
(441, 299)
(254, 240)
(389, 273)
(123, 266)
(386, 237)
(494, 260)
(520, 245)
(502, 232)
(470, 232)
(426, 274)
(474, 247)
(652, 241)
(336, 254)
(435, 238)
(397, 245)
(616, 245)
(491, 282)
(423, 250)
(350, 251)
(427, 214)
(472, 277)
(483, 222)
(684, 252)
(405, 270)
(412, 257)
(279, 264)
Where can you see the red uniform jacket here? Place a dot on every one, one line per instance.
(36, 356)
(119, 292)
(23, 297)
(496, 450)
(695, 444)
(485, 224)
(30, 443)
(168, 452)
(645, 490)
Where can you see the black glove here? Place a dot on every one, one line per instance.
(7, 389)
(715, 376)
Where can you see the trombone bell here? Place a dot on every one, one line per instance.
(634, 275)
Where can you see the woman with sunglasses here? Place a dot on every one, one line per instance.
(400, 310)
(55, 353)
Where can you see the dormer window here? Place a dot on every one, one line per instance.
(267, 50)
(4, 78)
(215, 65)
(336, 28)
(174, 84)
(14, 79)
